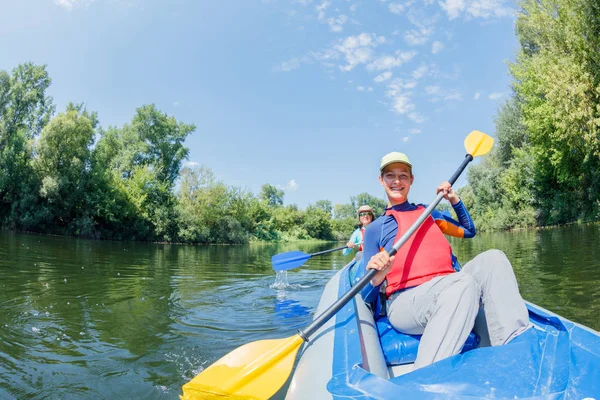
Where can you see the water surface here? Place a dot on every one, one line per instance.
(86, 319)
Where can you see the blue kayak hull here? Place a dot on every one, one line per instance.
(556, 359)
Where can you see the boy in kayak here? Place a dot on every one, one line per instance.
(427, 292)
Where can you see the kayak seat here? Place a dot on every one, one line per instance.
(400, 348)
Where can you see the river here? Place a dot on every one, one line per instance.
(86, 319)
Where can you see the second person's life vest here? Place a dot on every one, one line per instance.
(362, 238)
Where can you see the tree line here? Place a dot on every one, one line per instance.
(65, 174)
(545, 168)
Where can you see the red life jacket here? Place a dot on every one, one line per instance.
(425, 255)
(362, 240)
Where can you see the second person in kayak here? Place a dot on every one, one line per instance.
(365, 217)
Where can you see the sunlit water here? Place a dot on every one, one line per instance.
(84, 319)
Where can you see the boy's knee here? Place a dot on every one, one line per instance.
(492, 256)
(469, 287)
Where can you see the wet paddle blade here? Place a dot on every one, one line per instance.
(254, 371)
(478, 143)
(289, 260)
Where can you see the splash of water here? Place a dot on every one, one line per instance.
(281, 280)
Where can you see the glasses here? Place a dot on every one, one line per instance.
(364, 214)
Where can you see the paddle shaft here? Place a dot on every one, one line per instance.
(327, 251)
(341, 302)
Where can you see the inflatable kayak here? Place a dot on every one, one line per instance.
(353, 356)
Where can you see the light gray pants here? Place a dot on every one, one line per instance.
(484, 295)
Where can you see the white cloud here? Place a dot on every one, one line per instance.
(476, 8)
(190, 164)
(416, 117)
(436, 93)
(321, 10)
(453, 7)
(337, 24)
(396, 8)
(292, 185)
(399, 8)
(416, 37)
(495, 95)
(288, 65)
(415, 131)
(389, 61)
(358, 49)
(68, 4)
(420, 72)
(436, 47)
(489, 9)
(360, 88)
(398, 86)
(433, 90)
(422, 19)
(176, 103)
(383, 77)
(400, 95)
(402, 104)
(477, 95)
(405, 139)
(453, 95)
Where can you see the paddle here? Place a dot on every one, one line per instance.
(294, 259)
(257, 370)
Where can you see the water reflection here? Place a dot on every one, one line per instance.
(83, 319)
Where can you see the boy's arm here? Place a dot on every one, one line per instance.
(463, 228)
(370, 248)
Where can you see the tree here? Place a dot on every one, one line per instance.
(141, 161)
(317, 223)
(376, 203)
(324, 205)
(341, 211)
(24, 111)
(63, 166)
(271, 195)
(557, 81)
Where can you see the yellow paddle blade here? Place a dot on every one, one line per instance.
(255, 371)
(478, 143)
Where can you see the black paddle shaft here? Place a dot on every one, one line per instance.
(327, 251)
(341, 302)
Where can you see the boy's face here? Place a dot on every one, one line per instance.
(396, 179)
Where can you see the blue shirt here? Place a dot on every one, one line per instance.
(356, 238)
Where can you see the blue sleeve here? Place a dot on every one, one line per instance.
(370, 248)
(465, 219)
(463, 228)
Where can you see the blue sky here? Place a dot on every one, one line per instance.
(307, 95)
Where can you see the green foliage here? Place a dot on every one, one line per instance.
(24, 111)
(318, 223)
(545, 168)
(324, 205)
(67, 175)
(361, 199)
(62, 165)
(558, 82)
(271, 195)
